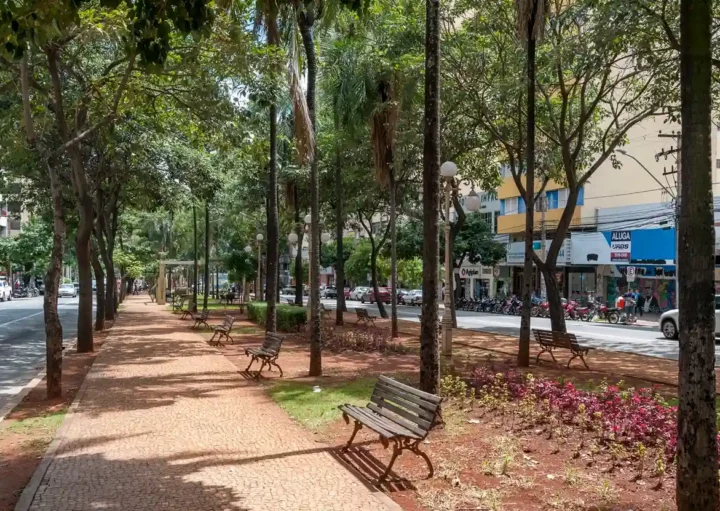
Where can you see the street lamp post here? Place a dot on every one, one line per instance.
(448, 170)
(259, 292)
(292, 240)
(248, 251)
(308, 229)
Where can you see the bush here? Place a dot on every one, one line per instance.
(289, 318)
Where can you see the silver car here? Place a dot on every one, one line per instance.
(357, 293)
(67, 291)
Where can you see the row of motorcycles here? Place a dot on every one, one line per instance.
(571, 309)
(25, 292)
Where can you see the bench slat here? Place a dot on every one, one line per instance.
(377, 423)
(401, 417)
(412, 403)
(425, 396)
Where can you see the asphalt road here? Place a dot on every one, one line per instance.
(641, 340)
(22, 340)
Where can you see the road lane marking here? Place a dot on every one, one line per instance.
(20, 319)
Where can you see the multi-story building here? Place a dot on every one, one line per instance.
(624, 217)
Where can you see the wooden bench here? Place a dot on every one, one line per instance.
(177, 305)
(550, 341)
(324, 312)
(222, 331)
(200, 318)
(268, 353)
(362, 315)
(398, 413)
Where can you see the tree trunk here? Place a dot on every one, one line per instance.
(523, 358)
(554, 295)
(271, 254)
(207, 256)
(697, 464)
(374, 282)
(393, 258)
(82, 247)
(195, 260)
(339, 231)
(53, 327)
(315, 339)
(99, 290)
(429, 349)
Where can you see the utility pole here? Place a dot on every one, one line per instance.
(541, 206)
(676, 169)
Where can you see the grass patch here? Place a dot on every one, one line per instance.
(316, 409)
(47, 423)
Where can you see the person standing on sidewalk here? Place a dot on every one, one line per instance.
(640, 304)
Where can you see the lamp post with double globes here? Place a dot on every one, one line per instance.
(293, 240)
(259, 292)
(448, 170)
(246, 293)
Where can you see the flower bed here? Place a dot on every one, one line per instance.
(363, 341)
(627, 421)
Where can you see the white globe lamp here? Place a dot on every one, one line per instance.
(248, 249)
(292, 238)
(472, 201)
(448, 169)
(259, 237)
(325, 237)
(308, 219)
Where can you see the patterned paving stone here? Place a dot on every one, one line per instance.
(168, 423)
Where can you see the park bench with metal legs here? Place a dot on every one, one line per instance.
(362, 315)
(222, 332)
(268, 353)
(549, 341)
(178, 303)
(398, 413)
(201, 318)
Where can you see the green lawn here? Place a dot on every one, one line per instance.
(48, 422)
(316, 409)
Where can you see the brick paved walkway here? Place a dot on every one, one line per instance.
(168, 423)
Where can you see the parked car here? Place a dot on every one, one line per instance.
(414, 297)
(5, 291)
(288, 291)
(383, 295)
(357, 293)
(329, 292)
(669, 321)
(67, 290)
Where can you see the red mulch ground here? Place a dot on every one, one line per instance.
(21, 450)
(543, 473)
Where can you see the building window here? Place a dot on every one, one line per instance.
(562, 198)
(487, 218)
(511, 206)
(521, 205)
(496, 214)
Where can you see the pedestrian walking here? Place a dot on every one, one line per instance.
(640, 305)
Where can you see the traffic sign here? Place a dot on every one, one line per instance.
(631, 274)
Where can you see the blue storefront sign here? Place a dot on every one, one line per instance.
(645, 247)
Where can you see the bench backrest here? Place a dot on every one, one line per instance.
(362, 313)
(204, 314)
(405, 405)
(559, 339)
(272, 343)
(228, 321)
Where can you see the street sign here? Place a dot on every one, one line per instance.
(631, 274)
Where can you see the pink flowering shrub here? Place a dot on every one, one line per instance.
(628, 417)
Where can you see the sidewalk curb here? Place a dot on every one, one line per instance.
(29, 492)
(18, 398)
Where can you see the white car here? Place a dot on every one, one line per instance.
(5, 291)
(357, 293)
(669, 325)
(67, 290)
(414, 297)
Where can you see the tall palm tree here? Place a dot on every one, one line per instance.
(697, 481)
(429, 351)
(530, 26)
